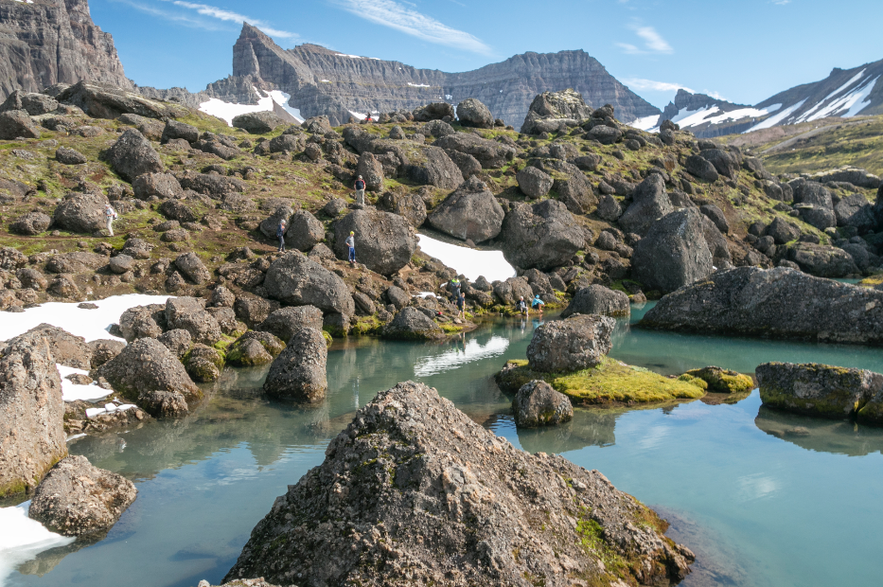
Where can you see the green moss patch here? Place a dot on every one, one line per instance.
(719, 380)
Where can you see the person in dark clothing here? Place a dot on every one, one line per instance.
(359, 186)
(521, 306)
(454, 289)
(280, 234)
(461, 303)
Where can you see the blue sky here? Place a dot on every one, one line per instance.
(740, 50)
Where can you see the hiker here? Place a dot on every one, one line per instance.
(461, 302)
(368, 118)
(351, 245)
(280, 234)
(537, 303)
(521, 306)
(454, 289)
(110, 215)
(360, 191)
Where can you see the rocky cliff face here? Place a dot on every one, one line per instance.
(321, 81)
(54, 41)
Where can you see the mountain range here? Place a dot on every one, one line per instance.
(44, 42)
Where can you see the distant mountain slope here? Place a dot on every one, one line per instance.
(321, 81)
(45, 42)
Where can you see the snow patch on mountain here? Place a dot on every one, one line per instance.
(228, 111)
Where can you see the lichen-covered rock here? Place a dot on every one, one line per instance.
(817, 390)
(204, 363)
(304, 231)
(192, 267)
(104, 350)
(30, 224)
(409, 481)
(572, 344)
(822, 260)
(550, 111)
(286, 322)
(81, 213)
(674, 253)
(722, 380)
(66, 348)
(533, 182)
(384, 242)
(472, 112)
(412, 324)
(254, 348)
(190, 314)
(471, 212)
(142, 322)
(81, 500)
(296, 280)
(778, 303)
(650, 202)
(597, 299)
(132, 155)
(163, 404)
(543, 236)
(258, 122)
(31, 413)
(537, 404)
(298, 373)
(147, 365)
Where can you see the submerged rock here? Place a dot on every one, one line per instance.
(415, 493)
(722, 380)
(572, 344)
(537, 404)
(79, 499)
(776, 302)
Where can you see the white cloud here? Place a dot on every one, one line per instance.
(780, 2)
(174, 17)
(653, 42)
(651, 85)
(229, 16)
(394, 15)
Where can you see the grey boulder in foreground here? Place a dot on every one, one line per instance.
(773, 303)
(822, 390)
(413, 492)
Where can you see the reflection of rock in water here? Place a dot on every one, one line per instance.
(588, 428)
(717, 562)
(716, 399)
(47, 560)
(820, 435)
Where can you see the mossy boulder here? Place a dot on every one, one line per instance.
(720, 380)
(204, 363)
(609, 382)
(254, 348)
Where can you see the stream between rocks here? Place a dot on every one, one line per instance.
(764, 499)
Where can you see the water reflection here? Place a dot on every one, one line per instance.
(815, 434)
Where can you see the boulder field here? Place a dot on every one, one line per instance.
(414, 492)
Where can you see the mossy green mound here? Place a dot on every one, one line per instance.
(609, 382)
(719, 380)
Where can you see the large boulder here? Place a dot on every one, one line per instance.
(82, 213)
(550, 110)
(817, 390)
(192, 267)
(17, 124)
(674, 252)
(491, 154)
(701, 168)
(597, 299)
(782, 231)
(179, 130)
(412, 324)
(258, 122)
(650, 202)
(143, 322)
(469, 213)
(31, 413)
(408, 205)
(538, 404)
(571, 344)
(190, 314)
(298, 373)
(413, 475)
(726, 163)
(472, 112)
(132, 154)
(100, 100)
(66, 349)
(533, 182)
(160, 185)
(286, 322)
(304, 231)
(80, 500)
(543, 236)
(854, 175)
(855, 210)
(822, 260)
(434, 167)
(371, 171)
(30, 224)
(384, 242)
(147, 365)
(434, 111)
(779, 303)
(295, 280)
(814, 204)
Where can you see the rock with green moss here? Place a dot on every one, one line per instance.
(412, 324)
(254, 348)
(537, 404)
(572, 344)
(720, 380)
(204, 363)
(147, 365)
(820, 390)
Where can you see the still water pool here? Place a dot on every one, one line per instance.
(764, 499)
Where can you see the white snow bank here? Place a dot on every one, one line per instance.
(70, 391)
(419, 85)
(471, 351)
(469, 262)
(646, 123)
(228, 111)
(108, 408)
(774, 120)
(90, 324)
(22, 538)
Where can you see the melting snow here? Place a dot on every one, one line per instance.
(774, 120)
(23, 538)
(228, 111)
(469, 262)
(646, 123)
(419, 85)
(715, 115)
(71, 391)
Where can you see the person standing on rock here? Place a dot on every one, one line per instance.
(110, 215)
(351, 246)
(360, 191)
(461, 302)
(280, 234)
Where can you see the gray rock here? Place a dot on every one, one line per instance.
(31, 413)
(221, 298)
(469, 213)
(437, 128)
(304, 231)
(254, 348)
(533, 182)
(142, 322)
(286, 322)
(473, 112)
(434, 111)
(409, 446)
(17, 123)
(298, 373)
(253, 309)
(67, 156)
(164, 404)
(226, 318)
(190, 314)
(550, 110)
(856, 176)
(121, 264)
(674, 252)
(371, 171)
(782, 231)
(104, 350)
(572, 344)
(384, 242)
(538, 404)
(608, 208)
(257, 122)
(777, 303)
(726, 163)
(132, 154)
(176, 340)
(76, 262)
(12, 259)
(161, 185)
(179, 130)
(137, 248)
(65, 348)
(81, 500)
(814, 204)
(295, 280)
(30, 224)
(211, 184)
(408, 205)
(491, 154)
(287, 144)
(466, 163)
(31, 279)
(147, 365)
(203, 363)
(178, 210)
(397, 296)
(604, 134)
(822, 260)
(597, 299)
(270, 224)
(435, 168)
(649, 203)
(510, 291)
(701, 168)
(83, 213)
(542, 236)
(192, 267)
(412, 324)
(716, 215)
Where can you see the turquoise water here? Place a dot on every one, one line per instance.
(764, 499)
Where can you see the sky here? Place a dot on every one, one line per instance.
(743, 51)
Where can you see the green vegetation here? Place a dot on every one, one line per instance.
(719, 380)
